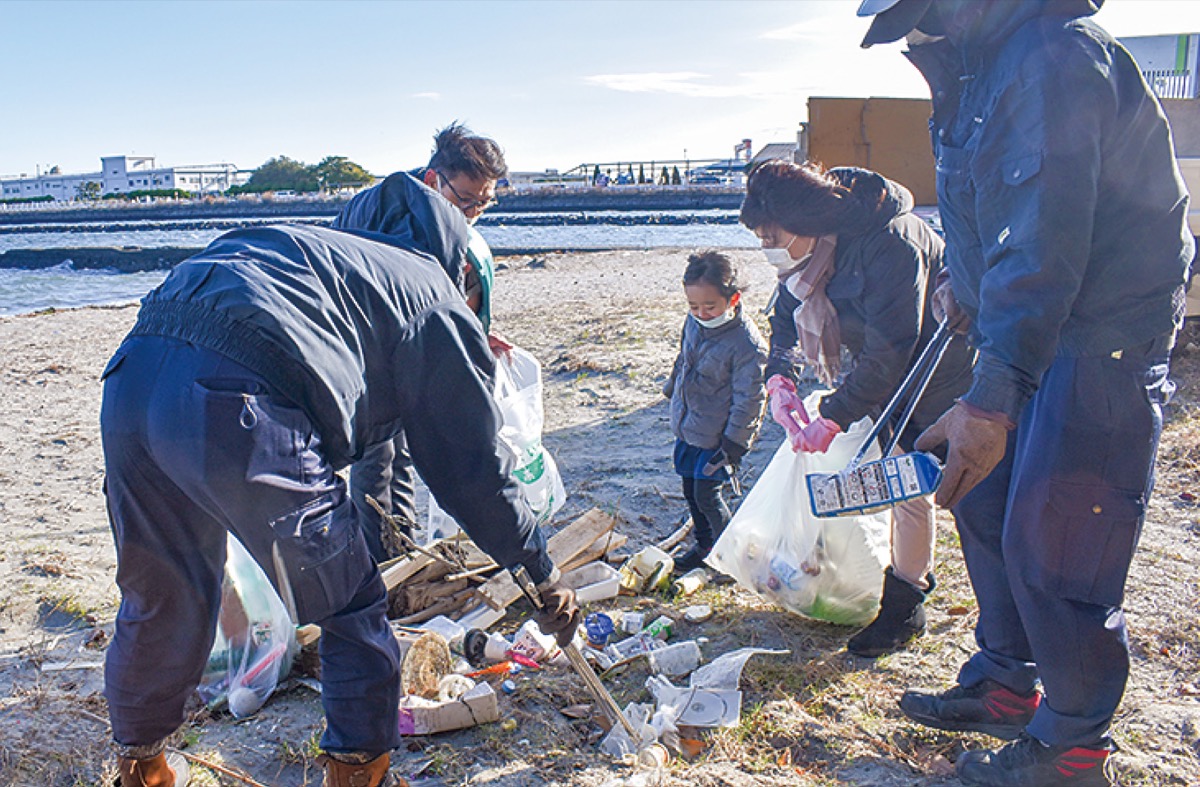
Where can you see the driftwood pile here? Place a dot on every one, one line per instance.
(452, 577)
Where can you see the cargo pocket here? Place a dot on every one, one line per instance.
(1097, 531)
(280, 447)
(322, 555)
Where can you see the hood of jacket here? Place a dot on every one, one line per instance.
(405, 212)
(972, 25)
(882, 199)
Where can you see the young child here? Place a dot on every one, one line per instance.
(717, 395)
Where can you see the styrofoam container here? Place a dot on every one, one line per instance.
(593, 582)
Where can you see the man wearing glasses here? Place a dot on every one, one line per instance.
(464, 170)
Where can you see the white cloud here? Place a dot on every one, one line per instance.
(692, 84)
(801, 31)
(431, 96)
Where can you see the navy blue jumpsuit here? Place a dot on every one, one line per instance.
(256, 370)
(1066, 242)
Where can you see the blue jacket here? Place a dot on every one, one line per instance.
(363, 330)
(1064, 211)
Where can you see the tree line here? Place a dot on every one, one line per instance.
(286, 174)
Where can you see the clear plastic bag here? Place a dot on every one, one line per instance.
(256, 640)
(828, 569)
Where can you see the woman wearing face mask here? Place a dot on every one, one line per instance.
(856, 272)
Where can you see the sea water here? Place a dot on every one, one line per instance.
(25, 291)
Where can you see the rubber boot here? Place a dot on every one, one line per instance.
(901, 618)
(168, 769)
(350, 774)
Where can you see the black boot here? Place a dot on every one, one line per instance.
(901, 618)
(693, 558)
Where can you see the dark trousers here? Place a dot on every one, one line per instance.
(195, 446)
(710, 513)
(386, 473)
(1048, 538)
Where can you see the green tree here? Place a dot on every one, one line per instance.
(88, 191)
(675, 176)
(280, 174)
(595, 174)
(641, 173)
(337, 171)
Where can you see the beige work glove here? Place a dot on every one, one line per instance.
(975, 445)
(945, 308)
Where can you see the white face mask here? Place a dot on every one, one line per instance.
(719, 320)
(781, 258)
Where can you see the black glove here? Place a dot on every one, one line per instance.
(560, 613)
(733, 452)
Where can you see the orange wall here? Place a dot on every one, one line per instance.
(887, 135)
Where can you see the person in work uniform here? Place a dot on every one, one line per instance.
(1068, 255)
(464, 169)
(258, 368)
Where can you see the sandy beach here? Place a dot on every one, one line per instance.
(605, 327)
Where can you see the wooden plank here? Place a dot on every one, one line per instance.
(565, 545)
(403, 569)
(597, 551)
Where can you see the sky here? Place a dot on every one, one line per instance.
(557, 83)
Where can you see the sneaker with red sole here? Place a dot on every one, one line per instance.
(987, 707)
(1027, 762)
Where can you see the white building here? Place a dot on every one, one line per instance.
(1168, 62)
(121, 175)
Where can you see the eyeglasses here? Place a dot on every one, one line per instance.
(466, 203)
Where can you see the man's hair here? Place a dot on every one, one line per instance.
(715, 268)
(457, 151)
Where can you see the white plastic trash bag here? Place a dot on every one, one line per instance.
(519, 397)
(829, 569)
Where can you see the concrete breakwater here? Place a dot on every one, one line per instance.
(551, 200)
(125, 260)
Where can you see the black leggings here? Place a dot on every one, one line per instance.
(710, 514)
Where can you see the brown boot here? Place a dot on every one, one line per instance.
(350, 774)
(168, 769)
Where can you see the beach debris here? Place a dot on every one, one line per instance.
(648, 571)
(598, 627)
(690, 582)
(675, 660)
(697, 613)
(595, 581)
(421, 716)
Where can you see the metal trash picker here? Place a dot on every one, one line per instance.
(863, 488)
(590, 679)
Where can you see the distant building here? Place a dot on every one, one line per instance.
(781, 151)
(1169, 63)
(123, 174)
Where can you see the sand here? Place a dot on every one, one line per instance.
(606, 328)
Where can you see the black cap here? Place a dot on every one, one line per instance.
(894, 19)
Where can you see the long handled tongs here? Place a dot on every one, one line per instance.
(872, 486)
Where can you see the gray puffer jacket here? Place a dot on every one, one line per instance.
(716, 387)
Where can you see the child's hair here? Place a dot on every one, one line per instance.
(715, 268)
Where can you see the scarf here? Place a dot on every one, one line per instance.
(816, 319)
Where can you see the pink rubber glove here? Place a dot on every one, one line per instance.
(787, 408)
(816, 437)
